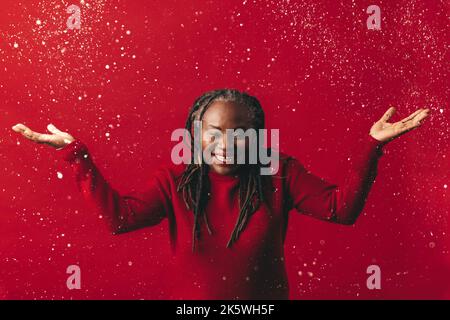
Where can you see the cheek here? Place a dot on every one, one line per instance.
(241, 143)
(245, 142)
(207, 140)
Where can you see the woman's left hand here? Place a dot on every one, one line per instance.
(382, 130)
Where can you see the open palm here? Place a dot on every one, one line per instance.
(383, 130)
(56, 139)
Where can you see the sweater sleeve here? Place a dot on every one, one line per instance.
(342, 204)
(123, 212)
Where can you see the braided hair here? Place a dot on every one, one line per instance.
(194, 182)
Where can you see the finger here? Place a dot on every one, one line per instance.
(418, 120)
(27, 132)
(19, 128)
(388, 114)
(412, 115)
(53, 129)
(30, 134)
(24, 130)
(414, 122)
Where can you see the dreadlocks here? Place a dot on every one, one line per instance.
(194, 183)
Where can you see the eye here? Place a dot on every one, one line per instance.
(213, 133)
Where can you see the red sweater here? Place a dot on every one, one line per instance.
(254, 267)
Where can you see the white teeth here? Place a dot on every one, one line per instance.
(223, 159)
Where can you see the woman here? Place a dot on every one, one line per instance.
(227, 222)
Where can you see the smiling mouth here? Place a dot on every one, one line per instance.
(224, 160)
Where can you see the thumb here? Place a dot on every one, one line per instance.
(388, 114)
(53, 129)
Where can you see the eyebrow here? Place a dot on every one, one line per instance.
(219, 128)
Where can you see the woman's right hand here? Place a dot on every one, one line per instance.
(56, 139)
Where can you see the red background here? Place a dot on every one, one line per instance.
(322, 78)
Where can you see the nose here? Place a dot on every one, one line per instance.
(221, 146)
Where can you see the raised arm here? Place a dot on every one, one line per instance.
(316, 197)
(342, 204)
(124, 213)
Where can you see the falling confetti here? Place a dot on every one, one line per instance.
(125, 79)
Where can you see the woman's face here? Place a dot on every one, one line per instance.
(219, 117)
